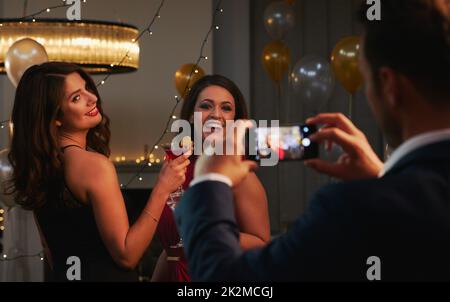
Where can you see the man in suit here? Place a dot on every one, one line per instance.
(386, 221)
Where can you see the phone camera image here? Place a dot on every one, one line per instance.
(288, 143)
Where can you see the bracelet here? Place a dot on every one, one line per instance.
(151, 215)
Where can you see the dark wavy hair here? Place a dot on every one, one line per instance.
(412, 37)
(187, 110)
(35, 154)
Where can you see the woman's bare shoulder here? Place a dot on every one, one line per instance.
(87, 163)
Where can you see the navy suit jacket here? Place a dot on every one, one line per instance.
(402, 218)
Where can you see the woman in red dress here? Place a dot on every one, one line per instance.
(217, 99)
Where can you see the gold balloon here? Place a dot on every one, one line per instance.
(183, 77)
(22, 55)
(344, 60)
(276, 58)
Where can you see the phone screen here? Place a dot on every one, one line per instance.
(289, 143)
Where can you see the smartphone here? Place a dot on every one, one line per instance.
(289, 143)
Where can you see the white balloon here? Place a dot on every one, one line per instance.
(22, 55)
(279, 18)
(312, 80)
(6, 171)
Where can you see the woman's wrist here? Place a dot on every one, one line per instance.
(160, 193)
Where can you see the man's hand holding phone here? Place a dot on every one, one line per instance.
(359, 161)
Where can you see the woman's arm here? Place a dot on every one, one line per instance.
(126, 243)
(252, 212)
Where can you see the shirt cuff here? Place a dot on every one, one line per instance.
(211, 177)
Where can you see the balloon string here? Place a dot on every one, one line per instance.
(278, 112)
(350, 106)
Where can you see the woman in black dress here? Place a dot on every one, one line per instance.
(59, 153)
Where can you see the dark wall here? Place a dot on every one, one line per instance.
(320, 24)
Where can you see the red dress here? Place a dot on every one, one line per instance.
(168, 235)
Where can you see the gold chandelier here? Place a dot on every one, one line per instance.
(98, 47)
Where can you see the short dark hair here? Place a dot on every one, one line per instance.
(187, 110)
(413, 38)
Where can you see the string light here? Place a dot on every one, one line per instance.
(147, 29)
(177, 98)
(45, 10)
(6, 258)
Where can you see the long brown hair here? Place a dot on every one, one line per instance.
(34, 154)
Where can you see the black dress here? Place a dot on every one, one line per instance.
(70, 229)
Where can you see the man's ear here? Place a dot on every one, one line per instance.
(58, 123)
(390, 86)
